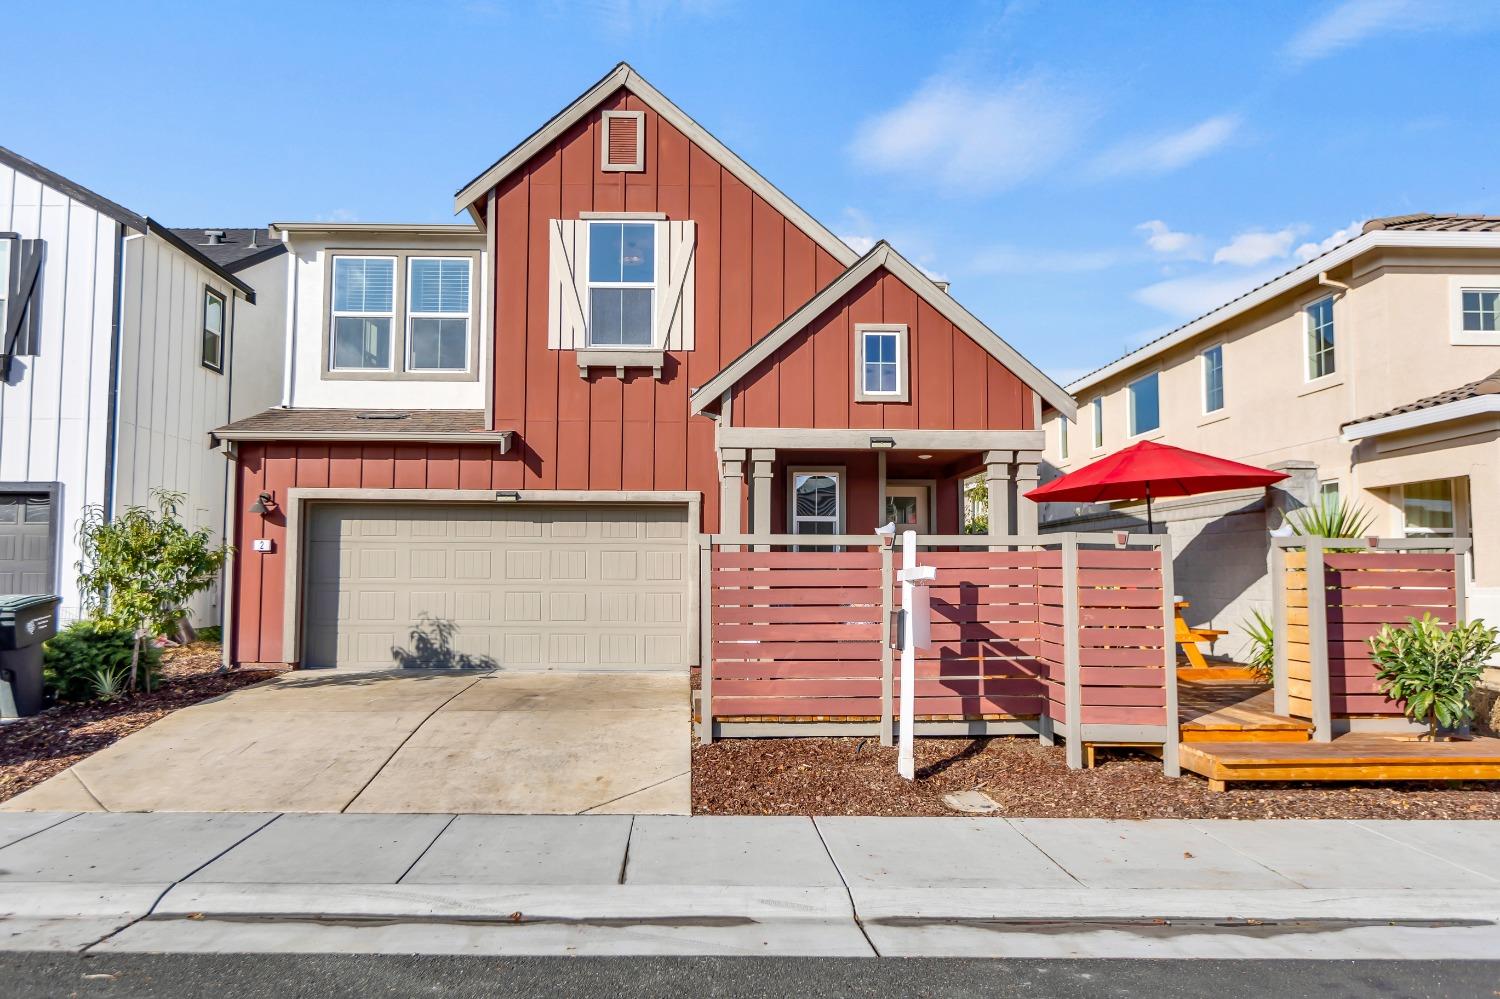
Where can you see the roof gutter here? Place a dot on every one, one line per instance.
(1480, 405)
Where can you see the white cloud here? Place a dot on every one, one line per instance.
(1032, 260)
(1257, 246)
(1165, 153)
(1188, 297)
(860, 244)
(1164, 240)
(1307, 251)
(970, 138)
(1354, 21)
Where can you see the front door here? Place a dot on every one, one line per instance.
(906, 507)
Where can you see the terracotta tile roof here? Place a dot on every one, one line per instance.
(1488, 385)
(447, 425)
(1426, 222)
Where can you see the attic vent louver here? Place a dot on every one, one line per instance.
(623, 145)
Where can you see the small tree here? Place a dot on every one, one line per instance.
(1431, 670)
(140, 569)
(976, 506)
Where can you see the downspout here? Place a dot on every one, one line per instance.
(288, 372)
(112, 416)
(226, 572)
(231, 518)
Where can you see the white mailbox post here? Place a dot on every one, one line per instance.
(916, 632)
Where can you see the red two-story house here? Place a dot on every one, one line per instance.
(501, 443)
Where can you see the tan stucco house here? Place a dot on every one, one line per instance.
(1367, 372)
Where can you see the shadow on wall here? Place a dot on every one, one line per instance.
(432, 648)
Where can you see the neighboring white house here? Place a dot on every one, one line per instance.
(121, 342)
(1367, 373)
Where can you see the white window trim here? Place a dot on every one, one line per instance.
(1338, 488)
(1455, 493)
(639, 164)
(1062, 440)
(209, 292)
(335, 314)
(1130, 433)
(1203, 381)
(837, 474)
(654, 284)
(412, 314)
(903, 387)
(1096, 427)
(1457, 285)
(1308, 378)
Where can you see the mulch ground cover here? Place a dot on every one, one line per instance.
(858, 777)
(33, 749)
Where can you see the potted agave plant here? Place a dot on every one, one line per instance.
(1432, 672)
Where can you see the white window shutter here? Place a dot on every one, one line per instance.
(676, 244)
(567, 285)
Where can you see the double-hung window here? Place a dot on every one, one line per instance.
(213, 330)
(1098, 409)
(1062, 438)
(880, 362)
(1145, 404)
(816, 502)
(1319, 320)
(1213, 379)
(622, 284)
(1481, 310)
(437, 310)
(364, 301)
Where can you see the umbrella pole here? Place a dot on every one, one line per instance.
(1150, 523)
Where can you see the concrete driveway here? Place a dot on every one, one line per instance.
(516, 743)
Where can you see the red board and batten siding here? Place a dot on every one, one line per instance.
(954, 383)
(1366, 591)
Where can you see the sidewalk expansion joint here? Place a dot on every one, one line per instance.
(402, 744)
(859, 922)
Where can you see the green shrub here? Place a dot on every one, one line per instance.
(77, 657)
(213, 633)
(1433, 671)
(1261, 657)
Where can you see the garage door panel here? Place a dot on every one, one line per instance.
(25, 543)
(520, 586)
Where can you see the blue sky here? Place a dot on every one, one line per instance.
(1087, 175)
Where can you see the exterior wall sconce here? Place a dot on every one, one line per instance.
(883, 442)
(264, 504)
(507, 496)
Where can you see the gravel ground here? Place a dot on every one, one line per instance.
(1028, 780)
(33, 749)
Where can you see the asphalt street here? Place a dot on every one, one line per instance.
(331, 976)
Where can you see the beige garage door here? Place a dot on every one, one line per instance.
(510, 586)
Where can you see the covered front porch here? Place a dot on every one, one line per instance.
(810, 481)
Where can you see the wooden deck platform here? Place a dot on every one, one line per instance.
(1350, 757)
(1232, 710)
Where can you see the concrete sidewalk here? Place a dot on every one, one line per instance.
(494, 884)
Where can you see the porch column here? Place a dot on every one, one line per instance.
(1027, 475)
(997, 482)
(762, 460)
(732, 487)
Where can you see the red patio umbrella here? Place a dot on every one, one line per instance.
(1144, 470)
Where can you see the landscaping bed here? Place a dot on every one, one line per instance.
(844, 776)
(34, 749)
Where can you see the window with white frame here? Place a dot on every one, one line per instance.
(816, 502)
(1062, 438)
(1320, 357)
(1480, 310)
(1098, 408)
(1213, 379)
(1328, 493)
(1427, 509)
(1145, 404)
(437, 310)
(364, 311)
(622, 284)
(213, 330)
(880, 355)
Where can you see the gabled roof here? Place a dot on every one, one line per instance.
(236, 249)
(1427, 222)
(883, 255)
(625, 76)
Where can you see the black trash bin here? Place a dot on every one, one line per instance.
(26, 621)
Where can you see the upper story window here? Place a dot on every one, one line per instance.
(364, 302)
(1319, 319)
(622, 284)
(437, 311)
(213, 329)
(880, 362)
(1481, 306)
(1062, 438)
(1213, 379)
(1145, 404)
(1098, 409)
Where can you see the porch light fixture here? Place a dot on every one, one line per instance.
(924, 457)
(264, 503)
(507, 496)
(883, 442)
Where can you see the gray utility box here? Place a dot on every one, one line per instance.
(26, 621)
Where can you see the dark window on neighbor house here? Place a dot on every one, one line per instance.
(1213, 379)
(213, 329)
(1144, 395)
(1320, 356)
